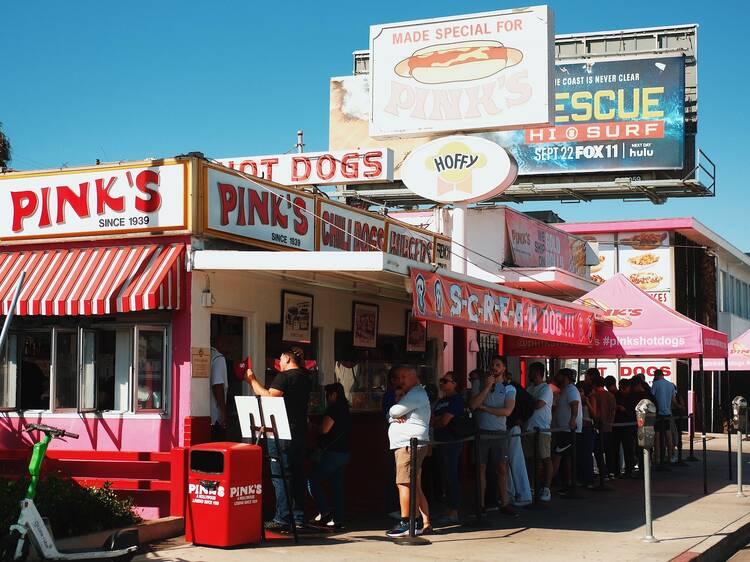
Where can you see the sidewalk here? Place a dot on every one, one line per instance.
(602, 526)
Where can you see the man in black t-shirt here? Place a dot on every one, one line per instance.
(294, 385)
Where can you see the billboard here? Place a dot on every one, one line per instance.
(491, 70)
(614, 114)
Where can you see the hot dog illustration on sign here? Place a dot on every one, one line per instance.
(458, 62)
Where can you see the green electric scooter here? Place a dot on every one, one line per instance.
(31, 529)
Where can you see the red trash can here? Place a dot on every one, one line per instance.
(225, 486)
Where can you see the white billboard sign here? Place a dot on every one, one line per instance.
(96, 202)
(485, 71)
(318, 168)
(244, 210)
(459, 169)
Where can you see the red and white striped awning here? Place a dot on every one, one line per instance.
(92, 281)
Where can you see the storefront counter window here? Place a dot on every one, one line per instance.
(84, 367)
(364, 372)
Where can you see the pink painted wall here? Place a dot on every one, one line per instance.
(132, 432)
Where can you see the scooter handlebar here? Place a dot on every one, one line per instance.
(53, 431)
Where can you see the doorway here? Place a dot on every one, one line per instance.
(228, 337)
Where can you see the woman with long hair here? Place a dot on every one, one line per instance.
(332, 458)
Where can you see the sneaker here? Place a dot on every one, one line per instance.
(275, 525)
(321, 519)
(334, 525)
(508, 510)
(401, 529)
(545, 495)
(420, 530)
(491, 507)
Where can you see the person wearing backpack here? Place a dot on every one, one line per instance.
(518, 483)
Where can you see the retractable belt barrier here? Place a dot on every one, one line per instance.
(485, 435)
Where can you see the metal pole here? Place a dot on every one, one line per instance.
(412, 539)
(703, 427)
(12, 309)
(573, 465)
(536, 467)
(458, 232)
(691, 436)
(727, 413)
(647, 493)
(739, 464)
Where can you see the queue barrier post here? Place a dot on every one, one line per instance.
(647, 492)
(729, 446)
(412, 539)
(691, 434)
(740, 494)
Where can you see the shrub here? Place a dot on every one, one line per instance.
(72, 509)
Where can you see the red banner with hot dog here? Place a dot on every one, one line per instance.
(439, 298)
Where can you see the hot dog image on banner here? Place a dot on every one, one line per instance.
(445, 300)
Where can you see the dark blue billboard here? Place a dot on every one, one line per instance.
(610, 115)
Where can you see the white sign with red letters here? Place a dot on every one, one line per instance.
(249, 210)
(318, 168)
(100, 201)
(345, 229)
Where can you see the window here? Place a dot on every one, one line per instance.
(150, 356)
(364, 372)
(85, 368)
(724, 292)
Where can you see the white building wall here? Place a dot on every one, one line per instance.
(257, 298)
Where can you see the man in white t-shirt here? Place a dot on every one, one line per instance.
(568, 420)
(541, 418)
(219, 385)
(664, 392)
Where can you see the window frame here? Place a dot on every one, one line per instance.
(166, 363)
(5, 360)
(81, 365)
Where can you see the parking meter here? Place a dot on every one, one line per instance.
(739, 414)
(645, 415)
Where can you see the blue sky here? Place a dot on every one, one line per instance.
(123, 81)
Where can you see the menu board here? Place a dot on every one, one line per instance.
(604, 247)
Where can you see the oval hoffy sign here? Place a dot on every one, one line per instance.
(459, 169)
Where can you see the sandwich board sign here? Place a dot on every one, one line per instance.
(485, 71)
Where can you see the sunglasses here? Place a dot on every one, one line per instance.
(446, 381)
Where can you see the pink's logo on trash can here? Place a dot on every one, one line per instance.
(245, 495)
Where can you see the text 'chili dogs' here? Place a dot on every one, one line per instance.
(458, 62)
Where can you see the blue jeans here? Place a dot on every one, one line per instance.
(293, 455)
(449, 458)
(332, 467)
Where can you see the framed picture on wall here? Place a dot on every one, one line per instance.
(416, 333)
(296, 317)
(365, 324)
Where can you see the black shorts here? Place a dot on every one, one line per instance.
(662, 424)
(562, 443)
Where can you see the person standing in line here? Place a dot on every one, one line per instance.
(294, 385)
(541, 418)
(449, 407)
(391, 395)
(587, 439)
(620, 434)
(606, 406)
(568, 419)
(335, 433)
(518, 483)
(409, 418)
(492, 403)
(219, 386)
(665, 393)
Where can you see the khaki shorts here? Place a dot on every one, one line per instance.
(545, 445)
(403, 462)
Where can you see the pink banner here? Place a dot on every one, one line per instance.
(442, 299)
(534, 244)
